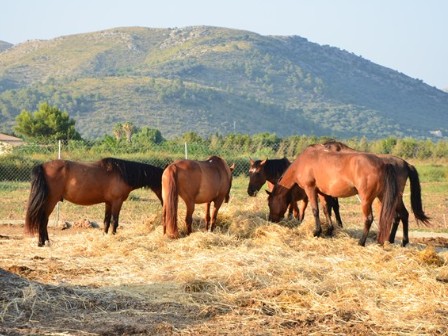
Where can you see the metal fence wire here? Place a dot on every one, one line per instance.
(17, 163)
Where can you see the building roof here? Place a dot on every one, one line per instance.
(9, 138)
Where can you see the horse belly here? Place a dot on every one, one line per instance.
(205, 196)
(84, 198)
(338, 188)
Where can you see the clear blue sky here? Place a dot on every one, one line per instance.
(410, 36)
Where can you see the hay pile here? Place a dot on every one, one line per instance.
(250, 277)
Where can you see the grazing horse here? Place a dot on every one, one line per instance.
(262, 171)
(270, 171)
(404, 170)
(195, 182)
(106, 181)
(340, 174)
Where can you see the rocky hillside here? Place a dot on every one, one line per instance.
(215, 80)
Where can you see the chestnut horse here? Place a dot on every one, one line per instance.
(262, 171)
(106, 181)
(340, 174)
(404, 170)
(195, 182)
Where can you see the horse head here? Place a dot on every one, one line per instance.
(257, 176)
(278, 201)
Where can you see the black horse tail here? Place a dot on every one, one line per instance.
(416, 196)
(389, 203)
(36, 211)
(170, 196)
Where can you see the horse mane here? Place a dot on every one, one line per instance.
(135, 174)
(275, 168)
(337, 145)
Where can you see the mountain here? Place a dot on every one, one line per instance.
(4, 45)
(215, 80)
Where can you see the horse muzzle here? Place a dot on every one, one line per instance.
(252, 192)
(274, 219)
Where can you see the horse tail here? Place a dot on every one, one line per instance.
(416, 196)
(389, 203)
(170, 196)
(36, 211)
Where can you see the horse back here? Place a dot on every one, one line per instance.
(86, 183)
(203, 181)
(339, 174)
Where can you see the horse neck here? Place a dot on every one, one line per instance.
(288, 179)
(274, 169)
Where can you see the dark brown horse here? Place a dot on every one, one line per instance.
(195, 182)
(270, 171)
(341, 174)
(404, 170)
(107, 181)
(262, 171)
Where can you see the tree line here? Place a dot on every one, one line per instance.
(49, 124)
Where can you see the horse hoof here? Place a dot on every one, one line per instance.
(317, 233)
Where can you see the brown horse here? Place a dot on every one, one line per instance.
(262, 171)
(195, 182)
(107, 181)
(341, 174)
(270, 171)
(404, 170)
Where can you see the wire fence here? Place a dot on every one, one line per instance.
(16, 164)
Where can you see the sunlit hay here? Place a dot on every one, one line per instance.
(243, 226)
(248, 277)
(85, 224)
(442, 274)
(152, 221)
(430, 257)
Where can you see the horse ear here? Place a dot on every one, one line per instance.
(232, 167)
(251, 161)
(263, 162)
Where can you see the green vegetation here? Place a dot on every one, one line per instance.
(148, 145)
(215, 81)
(46, 124)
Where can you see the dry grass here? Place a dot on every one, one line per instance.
(251, 277)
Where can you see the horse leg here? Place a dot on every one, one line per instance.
(207, 216)
(403, 214)
(43, 229)
(115, 216)
(43, 233)
(294, 211)
(368, 219)
(189, 216)
(216, 206)
(107, 217)
(302, 209)
(335, 206)
(326, 206)
(312, 196)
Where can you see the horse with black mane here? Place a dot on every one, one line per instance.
(108, 181)
(195, 182)
(340, 174)
(404, 170)
(270, 171)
